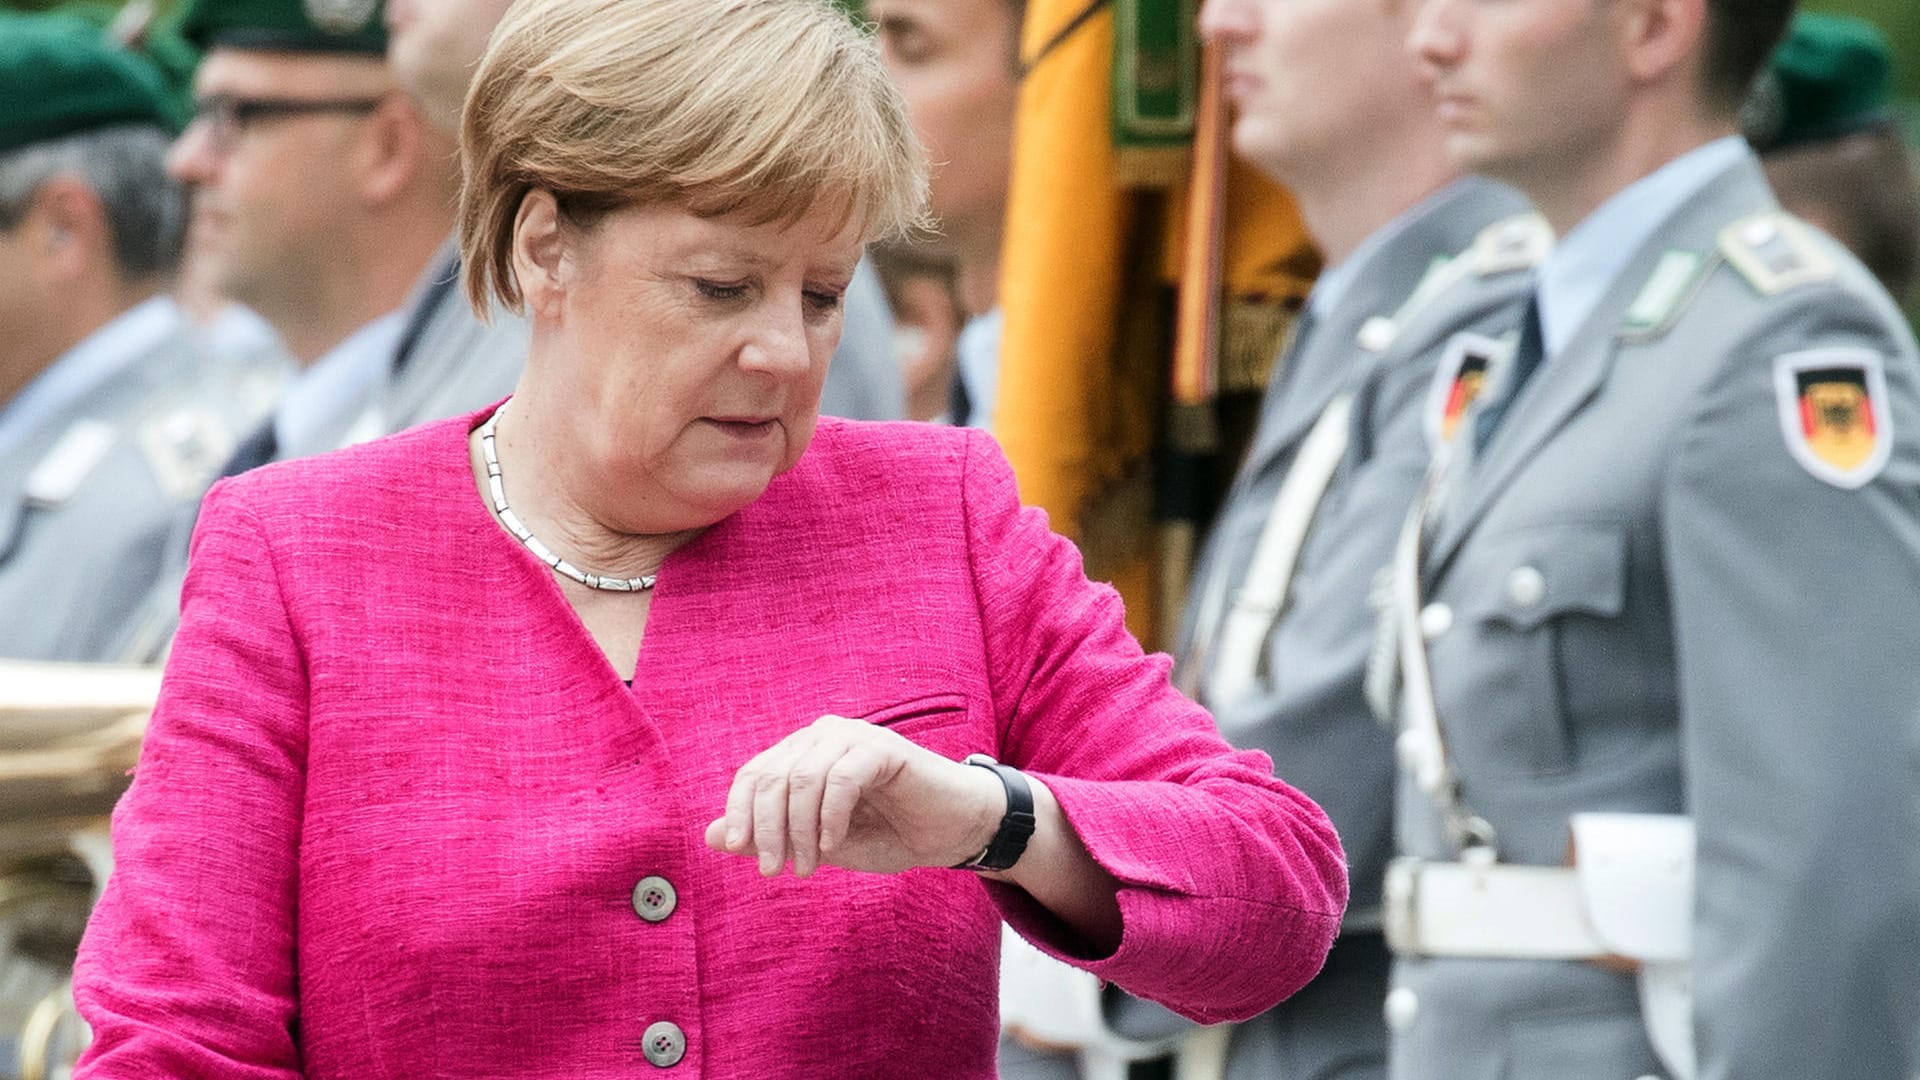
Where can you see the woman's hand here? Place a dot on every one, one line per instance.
(851, 794)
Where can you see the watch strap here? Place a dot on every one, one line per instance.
(1016, 825)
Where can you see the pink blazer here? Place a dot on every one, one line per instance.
(394, 804)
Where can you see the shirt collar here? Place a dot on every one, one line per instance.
(1584, 265)
(978, 354)
(98, 357)
(1337, 280)
(321, 399)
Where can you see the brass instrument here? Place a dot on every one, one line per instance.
(69, 736)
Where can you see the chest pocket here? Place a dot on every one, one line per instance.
(939, 722)
(1559, 570)
(1541, 654)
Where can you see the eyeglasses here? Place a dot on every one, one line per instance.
(226, 117)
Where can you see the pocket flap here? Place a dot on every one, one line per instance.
(1560, 570)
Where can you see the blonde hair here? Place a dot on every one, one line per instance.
(764, 107)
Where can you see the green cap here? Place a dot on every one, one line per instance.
(59, 76)
(1831, 77)
(342, 26)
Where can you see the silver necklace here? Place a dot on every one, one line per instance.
(511, 520)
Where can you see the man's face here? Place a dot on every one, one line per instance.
(270, 192)
(434, 46)
(1307, 77)
(1523, 87)
(954, 63)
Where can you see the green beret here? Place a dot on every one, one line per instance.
(1831, 77)
(342, 26)
(59, 76)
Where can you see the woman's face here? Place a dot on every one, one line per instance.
(681, 358)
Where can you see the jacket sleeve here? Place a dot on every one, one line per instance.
(1797, 622)
(187, 967)
(1232, 882)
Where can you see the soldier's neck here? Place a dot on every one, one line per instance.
(81, 312)
(1568, 188)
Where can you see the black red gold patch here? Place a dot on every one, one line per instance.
(1457, 384)
(1833, 412)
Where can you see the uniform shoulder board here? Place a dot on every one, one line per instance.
(1775, 253)
(1516, 243)
(1675, 281)
(185, 447)
(72, 459)
(1457, 382)
(1833, 412)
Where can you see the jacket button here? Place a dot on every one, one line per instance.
(654, 899)
(664, 1044)
(1526, 587)
(1435, 620)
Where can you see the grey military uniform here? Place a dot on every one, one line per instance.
(88, 498)
(1378, 343)
(1655, 603)
(448, 362)
(864, 382)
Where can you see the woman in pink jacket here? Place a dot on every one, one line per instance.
(485, 750)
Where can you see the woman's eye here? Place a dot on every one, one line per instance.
(720, 290)
(823, 302)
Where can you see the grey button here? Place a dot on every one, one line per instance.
(654, 899)
(664, 1044)
(1435, 619)
(1402, 1007)
(1526, 587)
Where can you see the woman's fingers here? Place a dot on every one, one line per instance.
(806, 782)
(847, 779)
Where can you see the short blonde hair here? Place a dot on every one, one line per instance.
(764, 107)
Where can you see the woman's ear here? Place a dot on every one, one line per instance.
(541, 265)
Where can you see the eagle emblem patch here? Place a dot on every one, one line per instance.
(1457, 383)
(1833, 411)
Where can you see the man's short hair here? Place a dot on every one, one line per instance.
(1740, 37)
(125, 165)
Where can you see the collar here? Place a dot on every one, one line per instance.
(1584, 265)
(977, 352)
(1337, 280)
(98, 357)
(320, 400)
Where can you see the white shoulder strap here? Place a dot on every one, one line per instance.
(1263, 595)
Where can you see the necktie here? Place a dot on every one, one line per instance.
(1527, 355)
(422, 313)
(254, 451)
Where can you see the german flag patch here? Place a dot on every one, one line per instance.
(1457, 384)
(1833, 412)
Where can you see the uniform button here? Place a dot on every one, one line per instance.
(1526, 587)
(654, 899)
(1760, 233)
(664, 1044)
(1435, 619)
(1401, 1009)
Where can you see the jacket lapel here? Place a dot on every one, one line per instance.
(1567, 382)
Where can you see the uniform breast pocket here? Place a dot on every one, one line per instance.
(939, 722)
(1548, 598)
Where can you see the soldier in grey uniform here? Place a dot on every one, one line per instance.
(113, 417)
(1656, 618)
(449, 362)
(320, 198)
(1278, 628)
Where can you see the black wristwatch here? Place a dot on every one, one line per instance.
(1016, 827)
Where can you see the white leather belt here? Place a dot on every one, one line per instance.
(1491, 911)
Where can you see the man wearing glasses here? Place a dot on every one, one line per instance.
(320, 194)
(320, 198)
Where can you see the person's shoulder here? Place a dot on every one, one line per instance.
(889, 447)
(360, 483)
